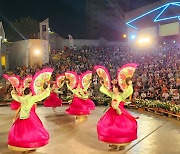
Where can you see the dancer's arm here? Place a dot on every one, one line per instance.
(115, 106)
(16, 97)
(58, 91)
(69, 88)
(86, 88)
(128, 92)
(84, 94)
(106, 91)
(41, 96)
(127, 102)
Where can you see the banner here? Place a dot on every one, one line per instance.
(71, 41)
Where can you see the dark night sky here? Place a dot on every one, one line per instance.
(66, 16)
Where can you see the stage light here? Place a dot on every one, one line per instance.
(5, 40)
(174, 41)
(164, 43)
(124, 35)
(144, 40)
(157, 18)
(37, 52)
(133, 37)
(0, 37)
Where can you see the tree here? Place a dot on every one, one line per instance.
(24, 28)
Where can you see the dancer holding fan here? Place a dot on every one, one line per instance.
(53, 100)
(79, 107)
(117, 127)
(84, 84)
(19, 85)
(27, 132)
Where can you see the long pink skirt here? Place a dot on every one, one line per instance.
(28, 133)
(89, 104)
(53, 100)
(15, 105)
(77, 107)
(115, 128)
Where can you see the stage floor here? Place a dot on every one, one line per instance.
(156, 134)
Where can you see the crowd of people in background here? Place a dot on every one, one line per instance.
(157, 76)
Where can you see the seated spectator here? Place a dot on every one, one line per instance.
(165, 96)
(136, 94)
(175, 96)
(143, 95)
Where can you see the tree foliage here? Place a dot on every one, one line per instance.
(24, 28)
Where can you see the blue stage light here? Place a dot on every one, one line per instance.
(133, 37)
(161, 12)
(164, 7)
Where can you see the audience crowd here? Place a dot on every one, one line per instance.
(157, 76)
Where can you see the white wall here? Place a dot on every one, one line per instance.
(18, 51)
(43, 47)
(116, 43)
(150, 31)
(60, 42)
(81, 42)
(23, 53)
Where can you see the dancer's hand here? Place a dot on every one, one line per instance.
(13, 91)
(14, 120)
(48, 85)
(101, 82)
(13, 87)
(114, 81)
(118, 110)
(127, 103)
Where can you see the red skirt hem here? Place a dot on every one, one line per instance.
(117, 140)
(29, 145)
(70, 112)
(52, 105)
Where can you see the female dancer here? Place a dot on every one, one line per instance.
(27, 132)
(117, 127)
(53, 100)
(84, 84)
(87, 102)
(77, 106)
(80, 106)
